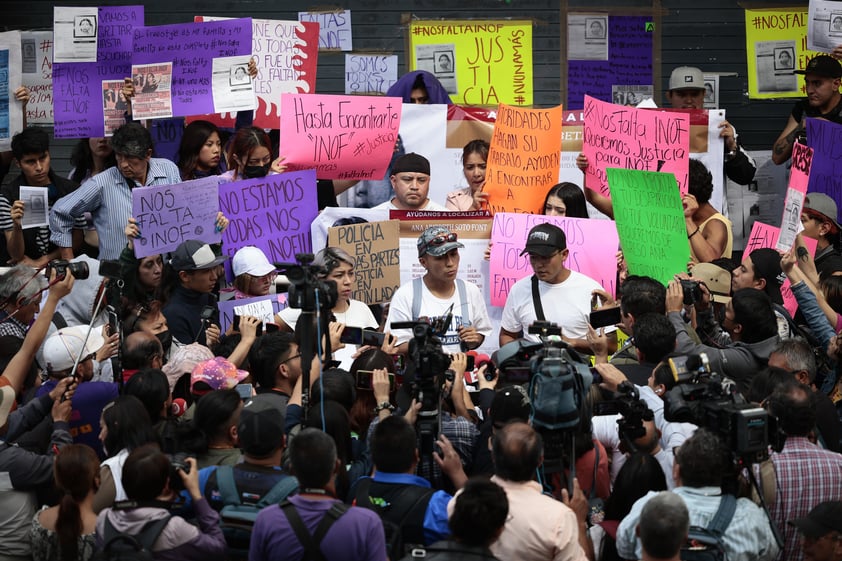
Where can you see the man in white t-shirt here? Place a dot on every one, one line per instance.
(564, 295)
(438, 292)
(411, 182)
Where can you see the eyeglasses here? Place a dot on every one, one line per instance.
(290, 358)
(441, 240)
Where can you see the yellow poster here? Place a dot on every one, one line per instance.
(478, 62)
(776, 46)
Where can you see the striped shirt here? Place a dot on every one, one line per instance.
(108, 197)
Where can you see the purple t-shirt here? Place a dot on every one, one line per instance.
(88, 401)
(356, 536)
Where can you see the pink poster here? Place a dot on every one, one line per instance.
(802, 157)
(616, 136)
(593, 246)
(340, 136)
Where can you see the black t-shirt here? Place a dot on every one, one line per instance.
(803, 108)
(325, 193)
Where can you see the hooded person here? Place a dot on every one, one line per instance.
(421, 87)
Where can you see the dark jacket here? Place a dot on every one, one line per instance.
(183, 312)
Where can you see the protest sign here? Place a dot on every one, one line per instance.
(799, 176)
(11, 118)
(272, 213)
(334, 28)
(166, 137)
(375, 248)
(78, 94)
(341, 137)
(191, 49)
(825, 138)
(370, 74)
(650, 223)
(524, 158)
(488, 62)
(776, 45)
(170, 214)
(340, 216)
(592, 243)
(259, 306)
(37, 68)
(113, 105)
(75, 34)
(636, 139)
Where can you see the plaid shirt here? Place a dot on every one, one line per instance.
(806, 475)
(11, 326)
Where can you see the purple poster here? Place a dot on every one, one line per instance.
(587, 77)
(79, 100)
(825, 138)
(191, 48)
(273, 213)
(170, 214)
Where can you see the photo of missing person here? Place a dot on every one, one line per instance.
(710, 97)
(84, 26)
(784, 58)
(836, 23)
(239, 76)
(595, 28)
(443, 62)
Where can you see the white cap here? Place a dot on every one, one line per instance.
(251, 260)
(687, 78)
(62, 347)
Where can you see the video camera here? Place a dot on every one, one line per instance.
(708, 399)
(306, 288)
(634, 411)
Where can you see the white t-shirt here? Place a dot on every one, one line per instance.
(430, 206)
(357, 315)
(567, 304)
(433, 307)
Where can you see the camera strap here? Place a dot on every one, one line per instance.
(417, 288)
(536, 300)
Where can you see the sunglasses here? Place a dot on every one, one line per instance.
(441, 240)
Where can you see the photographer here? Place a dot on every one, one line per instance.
(750, 321)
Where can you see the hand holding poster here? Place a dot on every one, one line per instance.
(650, 223)
(802, 157)
(524, 158)
(637, 139)
(341, 137)
(592, 244)
(259, 307)
(170, 214)
(273, 213)
(375, 245)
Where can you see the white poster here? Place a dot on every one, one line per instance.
(75, 33)
(37, 69)
(824, 25)
(370, 74)
(232, 86)
(587, 37)
(11, 113)
(35, 207)
(440, 61)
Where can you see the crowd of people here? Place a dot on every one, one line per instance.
(127, 411)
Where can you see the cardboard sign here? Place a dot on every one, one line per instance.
(376, 247)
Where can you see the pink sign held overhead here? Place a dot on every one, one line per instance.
(340, 136)
(593, 246)
(616, 136)
(799, 177)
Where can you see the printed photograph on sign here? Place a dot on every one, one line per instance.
(75, 34)
(587, 37)
(239, 75)
(152, 91)
(29, 55)
(113, 105)
(836, 23)
(772, 76)
(631, 95)
(784, 58)
(711, 100)
(438, 60)
(84, 26)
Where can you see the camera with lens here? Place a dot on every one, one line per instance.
(307, 291)
(79, 269)
(178, 462)
(692, 291)
(633, 412)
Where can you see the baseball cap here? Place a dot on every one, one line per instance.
(251, 260)
(193, 255)
(509, 404)
(544, 240)
(822, 204)
(687, 78)
(411, 162)
(437, 241)
(261, 427)
(63, 346)
(767, 266)
(825, 517)
(823, 65)
(218, 373)
(717, 279)
(184, 360)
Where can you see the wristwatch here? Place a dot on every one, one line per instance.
(383, 405)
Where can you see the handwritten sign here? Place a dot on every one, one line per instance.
(286, 54)
(334, 29)
(370, 74)
(273, 213)
(592, 244)
(524, 158)
(650, 223)
(37, 71)
(616, 136)
(191, 47)
(825, 138)
(376, 248)
(170, 214)
(341, 137)
(799, 176)
(258, 306)
(78, 99)
(492, 60)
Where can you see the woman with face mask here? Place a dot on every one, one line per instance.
(250, 156)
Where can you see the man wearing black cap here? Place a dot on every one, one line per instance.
(821, 532)
(195, 263)
(819, 220)
(554, 293)
(821, 79)
(411, 182)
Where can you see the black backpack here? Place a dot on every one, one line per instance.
(311, 542)
(705, 544)
(119, 546)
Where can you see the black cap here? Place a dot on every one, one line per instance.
(544, 240)
(509, 404)
(193, 255)
(823, 65)
(825, 517)
(261, 427)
